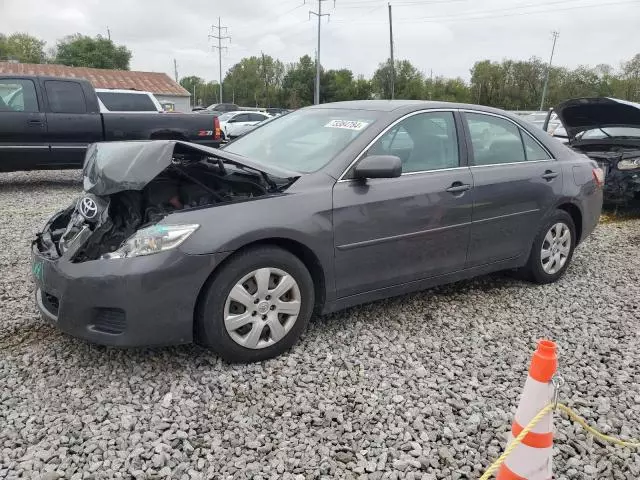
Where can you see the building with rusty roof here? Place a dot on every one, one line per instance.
(160, 84)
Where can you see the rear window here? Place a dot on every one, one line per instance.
(65, 97)
(127, 102)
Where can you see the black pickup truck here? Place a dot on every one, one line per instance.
(47, 123)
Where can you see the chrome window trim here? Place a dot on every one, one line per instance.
(526, 162)
(389, 127)
(520, 128)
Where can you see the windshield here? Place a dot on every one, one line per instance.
(606, 132)
(225, 116)
(303, 141)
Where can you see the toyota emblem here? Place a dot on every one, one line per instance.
(88, 208)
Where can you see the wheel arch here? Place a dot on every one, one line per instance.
(576, 215)
(305, 254)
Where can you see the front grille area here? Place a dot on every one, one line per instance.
(109, 320)
(51, 303)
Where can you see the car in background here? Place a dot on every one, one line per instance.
(539, 118)
(218, 108)
(276, 111)
(315, 211)
(49, 122)
(608, 131)
(126, 101)
(234, 124)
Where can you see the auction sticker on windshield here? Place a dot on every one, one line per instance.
(347, 124)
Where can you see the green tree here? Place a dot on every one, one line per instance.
(99, 52)
(22, 47)
(408, 83)
(298, 83)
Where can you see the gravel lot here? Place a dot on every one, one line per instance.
(418, 387)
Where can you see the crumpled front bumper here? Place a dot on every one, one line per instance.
(621, 186)
(141, 301)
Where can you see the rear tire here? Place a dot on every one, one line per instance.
(552, 249)
(256, 306)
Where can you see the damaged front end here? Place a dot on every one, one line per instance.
(621, 166)
(129, 187)
(608, 131)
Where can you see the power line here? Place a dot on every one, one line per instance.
(319, 14)
(482, 14)
(546, 81)
(219, 37)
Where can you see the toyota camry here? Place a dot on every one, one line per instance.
(327, 207)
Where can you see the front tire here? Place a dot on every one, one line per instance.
(552, 249)
(257, 305)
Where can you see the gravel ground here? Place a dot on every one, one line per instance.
(418, 387)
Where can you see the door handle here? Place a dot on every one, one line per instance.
(35, 123)
(458, 187)
(549, 175)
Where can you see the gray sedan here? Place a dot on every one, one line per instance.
(324, 208)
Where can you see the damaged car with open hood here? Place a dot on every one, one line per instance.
(325, 208)
(608, 131)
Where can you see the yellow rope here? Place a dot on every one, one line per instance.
(573, 416)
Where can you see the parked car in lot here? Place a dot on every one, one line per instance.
(324, 208)
(120, 101)
(608, 131)
(47, 123)
(234, 124)
(219, 108)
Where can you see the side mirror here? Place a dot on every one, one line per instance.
(378, 166)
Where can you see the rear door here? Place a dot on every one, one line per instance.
(237, 124)
(23, 126)
(72, 123)
(397, 230)
(516, 181)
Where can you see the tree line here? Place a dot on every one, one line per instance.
(73, 50)
(509, 84)
(266, 81)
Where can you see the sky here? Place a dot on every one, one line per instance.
(443, 37)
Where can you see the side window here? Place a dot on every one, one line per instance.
(18, 96)
(258, 117)
(65, 97)
(426, 141)
(494, 140)
(127, 102)
(532, 149)
(243, 117)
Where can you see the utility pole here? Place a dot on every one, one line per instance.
(319, 14)
(546, 81)
(175, 69)
(266, 88)
(108, 34)
(393, 65)
(218, 36)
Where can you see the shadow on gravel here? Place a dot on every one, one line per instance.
(620, 213)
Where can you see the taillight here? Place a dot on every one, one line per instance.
(598, 176)
(216, 128)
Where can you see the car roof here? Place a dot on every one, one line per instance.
(122, 90)
(246, 111)
(405, 106)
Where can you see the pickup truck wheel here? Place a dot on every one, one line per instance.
(552, 249)
(257, 305)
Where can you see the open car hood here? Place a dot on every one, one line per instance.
(581, 114)
(112, 167)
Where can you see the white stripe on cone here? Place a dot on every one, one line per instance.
(530, 463)
(535, 396)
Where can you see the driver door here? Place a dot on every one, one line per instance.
(392, 231)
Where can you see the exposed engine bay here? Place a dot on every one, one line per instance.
(621, 166)
(96, 225)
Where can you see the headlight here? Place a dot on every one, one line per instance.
(154, 239)
(629, 164)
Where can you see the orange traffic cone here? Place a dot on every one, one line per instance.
(531, 460)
